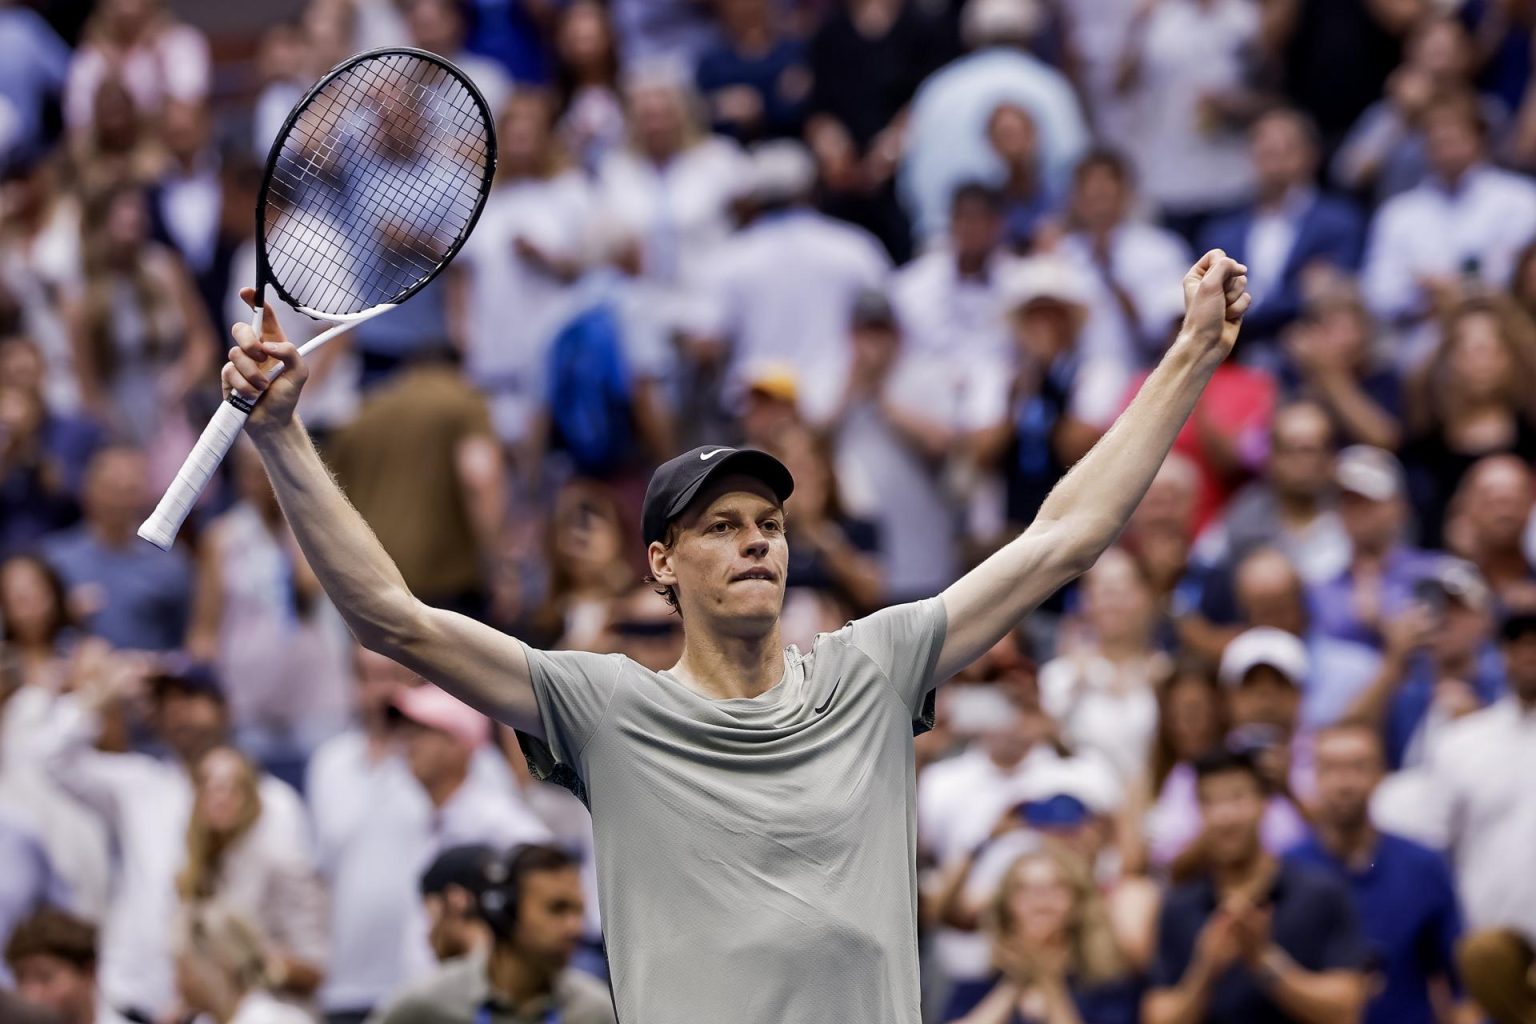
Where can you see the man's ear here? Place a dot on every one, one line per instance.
(659, 556)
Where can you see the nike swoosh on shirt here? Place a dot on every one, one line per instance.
(828, 702)
(706, 456)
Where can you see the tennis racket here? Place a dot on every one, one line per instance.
(371, 187)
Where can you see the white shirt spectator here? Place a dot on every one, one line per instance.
(679, 214)
(1190, 51)
(516, 307)
(260, 1008)
(172, 64)
(377, 833)
(1434, 231)
(1149, 264)
(786, 288)
(145, 803)
(1103, 707)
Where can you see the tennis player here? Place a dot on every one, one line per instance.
(753, 805)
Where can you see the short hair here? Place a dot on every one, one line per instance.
(54, 933)
(978, 192)
(666, 592)
(1354, 725)
(1106, 158)
(1304, 122)
(1223, 761)
(1464, 104)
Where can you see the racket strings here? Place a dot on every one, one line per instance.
(375, 184)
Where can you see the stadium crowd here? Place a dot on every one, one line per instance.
(1271, 759)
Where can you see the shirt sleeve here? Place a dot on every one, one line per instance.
(573, 690)
(904, 642)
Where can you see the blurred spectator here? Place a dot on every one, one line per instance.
(1292, 506)
(222, 969)
(866, 60)
(68, 438)
(53, 957)
(33, 64)
(511, 32)
(1139, 266)
(421, 464)
(532, 901)
(1402, 891)
(440, 27)
(586, 546)
(1191, 722)
(650, 30)
(946, 141)
(1378, 582)
(1011, 132)
(130, 594)
(146, 804)
(379, 929)
(755, 81)
(1101, 695)
(34, 496)
(260, 616)
(1053, 949)
(29, 883)
(186, 202)
(157, 58)
(1189, 78)
(1336, 361)
(451, 890)
(1290, 230)
(118, 149)
(1385, 152)
(1262, 673)
(1489, 516)
(239, 857)
(1438, 664)
(1062, 398)
(143, 345)
(1252, 938)
(644, 629)
(787, 283)
(39, 261)
(36, 622)
(526, 253)
(591, 113)
(891, 453)
(1462, 228)
(1475, 397)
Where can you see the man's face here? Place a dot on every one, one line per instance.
(1301, 452)
(1452, 142)
(729, 558)
(453, 927)
(58, 985)
(549, 916)
(432, 754)
(1265, 697)
(191, 724)
(1372, 526)
(114, 488)
(1349, 766)
(1269, 593)
(975, 229)
(1099, 197)
(1499, 502)
(644, 629)
(1231, 806)
(1282, 154)
(1462, 631)
(1520, 666)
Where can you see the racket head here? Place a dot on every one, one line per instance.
(373, 184)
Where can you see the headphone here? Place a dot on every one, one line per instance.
(499, 898)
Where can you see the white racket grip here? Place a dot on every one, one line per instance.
(218, 438)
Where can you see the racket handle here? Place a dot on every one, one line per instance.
(218, 438)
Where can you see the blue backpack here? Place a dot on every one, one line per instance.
(590, 399)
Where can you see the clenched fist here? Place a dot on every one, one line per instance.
(1215, 300)
(251, 367)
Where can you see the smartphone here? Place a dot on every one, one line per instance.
(1428, 592)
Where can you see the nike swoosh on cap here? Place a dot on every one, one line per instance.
(706, 456)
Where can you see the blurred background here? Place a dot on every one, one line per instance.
(922, 250)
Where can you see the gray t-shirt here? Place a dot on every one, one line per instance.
(461, 990)
(756, 857)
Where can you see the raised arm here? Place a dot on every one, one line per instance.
(482, 667)
(1086, 511)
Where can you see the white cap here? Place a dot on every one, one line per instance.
(1086, 778)
(984, 22)
(782, 171)
(1372, 473)
(1265, 645)
(1044, 277)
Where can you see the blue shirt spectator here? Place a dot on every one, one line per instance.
(756, 80)
(33, 65)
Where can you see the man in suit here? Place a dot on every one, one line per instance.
(1289, 228)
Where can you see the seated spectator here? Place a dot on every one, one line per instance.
(157, 57)
(1464, 226)
(260, 617)
(1290, 229)
(1262, 673)
(946, 141)
(69, 438)
(532, 903)
(1291, 507)
(146, 803)
(1334, 359)
(37, 63)
(1014, 138)
(34, 496)
(786, 285)
(755, 80)
(222, 970)
(29, 884)
(1377, 584)
(35, 624)
(130, 594)
(587, 567)
(1488, 519)
(591, 115)
(52, 955)
(451, 890)
(118, 149)
(1140, 265)
(441, 27)
(1101, 694)
(1253, 939)
(1403, 891)
(1191, 722)
(239, 857)
(1054, 950)
(187, 201)
(1476, 397)
(644, 629)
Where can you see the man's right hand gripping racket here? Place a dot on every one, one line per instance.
(371, 187)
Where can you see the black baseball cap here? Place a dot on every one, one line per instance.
(678, 482)
(474, 867)
(1517, 624)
